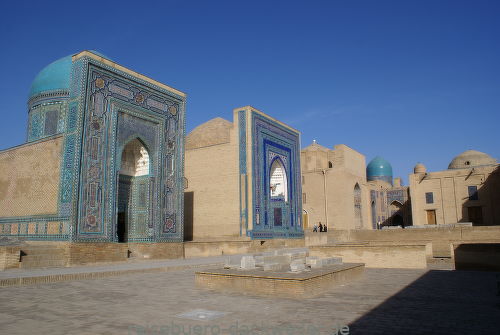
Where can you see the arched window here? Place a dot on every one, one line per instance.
(330, 165)
(358, 221)
(135, 159)
(278, 181)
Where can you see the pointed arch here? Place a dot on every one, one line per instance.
(135, 159)
(278, 182)
(358, 220)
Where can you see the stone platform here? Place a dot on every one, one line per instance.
(306, 284)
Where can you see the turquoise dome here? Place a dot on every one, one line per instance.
(379, 168)
(54, 77)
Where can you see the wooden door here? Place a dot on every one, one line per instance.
(305, 220)
(431, 217)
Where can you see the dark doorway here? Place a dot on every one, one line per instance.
(188, 215)
(475, 215)
(397, 220)
(121, 229)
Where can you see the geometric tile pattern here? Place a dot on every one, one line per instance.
(103, 109)
(274, 217)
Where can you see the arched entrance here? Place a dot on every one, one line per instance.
(305, 219)
(374, 216)
(278, 191)
(397, 220)
(396, 211)
(133, 191)
(358, 220)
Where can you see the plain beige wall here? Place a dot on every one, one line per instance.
(29, 178)
(348, 168)
(213, 177)
(450, 192)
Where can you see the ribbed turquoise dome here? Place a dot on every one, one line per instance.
(378, 167)
(54, 77)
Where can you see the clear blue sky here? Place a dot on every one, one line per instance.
(408, 80)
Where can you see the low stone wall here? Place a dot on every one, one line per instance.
(376, 256)
(440, 237)
(89, 253)
(476, 256)
(217, 248)
(157, 250)
(9, 257)
(288, 285)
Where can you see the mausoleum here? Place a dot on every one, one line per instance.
(243, 178)
(103, 160)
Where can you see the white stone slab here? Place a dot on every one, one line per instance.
(280, 267)
(232, 262)
(282, 259)
(247, 262)
(297, 266)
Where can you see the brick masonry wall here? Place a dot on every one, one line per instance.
(9, 257)
(266, 286)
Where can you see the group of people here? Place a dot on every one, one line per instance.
(321, 228)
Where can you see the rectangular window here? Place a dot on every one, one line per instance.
(429, 198)
(303, 198)
(473, 193)
(51, 118)
(303, 180)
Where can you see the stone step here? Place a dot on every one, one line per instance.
(43, 251)
(32, 264)
(41, 257)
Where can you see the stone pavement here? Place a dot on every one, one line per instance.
(15, 277)
(384, 301)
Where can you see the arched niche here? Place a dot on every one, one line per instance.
(135, 160)
(278, 181)
(358, 221)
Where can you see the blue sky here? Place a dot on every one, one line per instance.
(412, 81)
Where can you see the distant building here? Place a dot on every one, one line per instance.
(469, 191)
(243, 178)
(339, 190)
(390, 203)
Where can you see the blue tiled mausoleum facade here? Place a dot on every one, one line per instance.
(98, 108)
(268, 150)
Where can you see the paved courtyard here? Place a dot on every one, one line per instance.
(384, 301)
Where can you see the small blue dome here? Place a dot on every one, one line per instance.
(53, 77)
(378, 167)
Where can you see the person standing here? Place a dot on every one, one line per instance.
(320, 227)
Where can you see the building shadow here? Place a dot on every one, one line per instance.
(400, 215)
(188, 215)
(477, 256)
(480, 206)
(438, 302)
